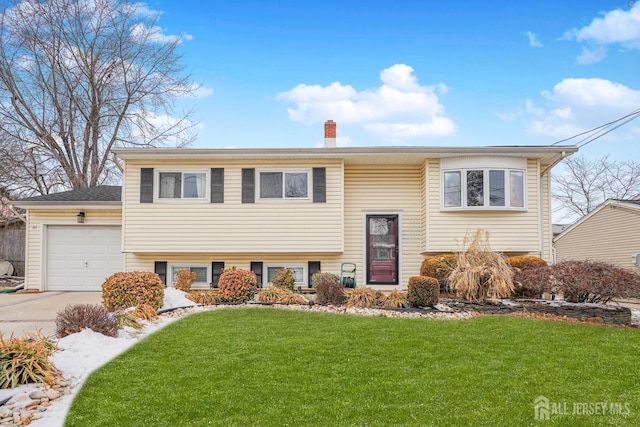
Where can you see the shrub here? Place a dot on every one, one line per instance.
(394, 299)
(145, 312)
(127, 318)
(123, 290)
(184, 280)
(205, 297)
(284, 278)
(26, 360)
(321, 277)
(329, 293)
(237, 285)
(532, 282)
(440, 267)
(423, 291)
(481, 274)
(78, 317)
(522, 281)
(280, 295)
(594, 281)
(361, 297)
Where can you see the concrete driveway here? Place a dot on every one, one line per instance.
(29, 312)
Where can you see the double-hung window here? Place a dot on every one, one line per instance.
(284, 184)
(182, 185)
(483, 187)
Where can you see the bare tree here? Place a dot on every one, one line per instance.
(78, 78)
(584, 184)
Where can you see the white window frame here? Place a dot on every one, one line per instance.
(486, 165)
(182, 171)
(289, 265)
(283, 172)
(188, 266)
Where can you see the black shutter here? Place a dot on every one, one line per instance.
(146, 185)
(248, 185)
(217, 267)
(256, 267)
(319, 185)
(313, 267)
(217, 185)
(160, 268)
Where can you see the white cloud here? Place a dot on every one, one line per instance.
(614, 27)
(577, 105)
(533, 40)
(399, 109)
(155, 34)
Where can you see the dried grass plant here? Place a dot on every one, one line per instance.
(481, 274)
(394, 299)
(361, 298)
(280, 295)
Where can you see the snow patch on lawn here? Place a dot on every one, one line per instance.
(176, 298)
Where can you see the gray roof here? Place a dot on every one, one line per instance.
(100, 193)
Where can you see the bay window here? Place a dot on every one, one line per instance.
(483, 188)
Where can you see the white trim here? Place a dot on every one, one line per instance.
(284, 171)
(289, 265)
(187, 265)
(486, 172)
(182, 199)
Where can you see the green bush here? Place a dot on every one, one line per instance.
(237, 285)
(440, 267)
(522, 280)
(78, 317)
(423, 291)
(130, 289)
(284, 278)
(321, 277)
(26, 360)
(329, 293)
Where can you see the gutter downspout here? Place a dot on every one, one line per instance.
(540, 208)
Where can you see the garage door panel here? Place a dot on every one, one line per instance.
(79, 258)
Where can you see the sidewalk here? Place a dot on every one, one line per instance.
(29, 312)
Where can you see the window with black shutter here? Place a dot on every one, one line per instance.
(217, 185)
(160, 268)
(256, 267)
(217, 267)
(319, 185)
(313, 267)
(248, 185)
(146, 185)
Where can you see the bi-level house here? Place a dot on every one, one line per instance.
(309, 209)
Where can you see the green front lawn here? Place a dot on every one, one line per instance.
(271, 367)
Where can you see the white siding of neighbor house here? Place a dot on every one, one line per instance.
(37, 220)
(511, 232)
(276, 226)
(611, 235)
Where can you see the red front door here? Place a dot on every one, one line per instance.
(382, 249)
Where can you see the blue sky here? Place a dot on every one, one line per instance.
(433, 73)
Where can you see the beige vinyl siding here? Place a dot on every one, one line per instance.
(510, 231)
(185, 226)
(384, 190)
(37, 220)
(612, 235)
(146, 262)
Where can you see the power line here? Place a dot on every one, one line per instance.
(601, 130)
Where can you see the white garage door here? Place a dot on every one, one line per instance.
(79, 258)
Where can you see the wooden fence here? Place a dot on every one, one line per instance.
(12, 244)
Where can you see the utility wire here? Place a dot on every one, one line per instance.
(601, 130)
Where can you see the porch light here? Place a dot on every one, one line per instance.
(80, 217)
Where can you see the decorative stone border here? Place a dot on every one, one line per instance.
(592, 313)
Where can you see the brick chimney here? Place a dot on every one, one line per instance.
(329, 134)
